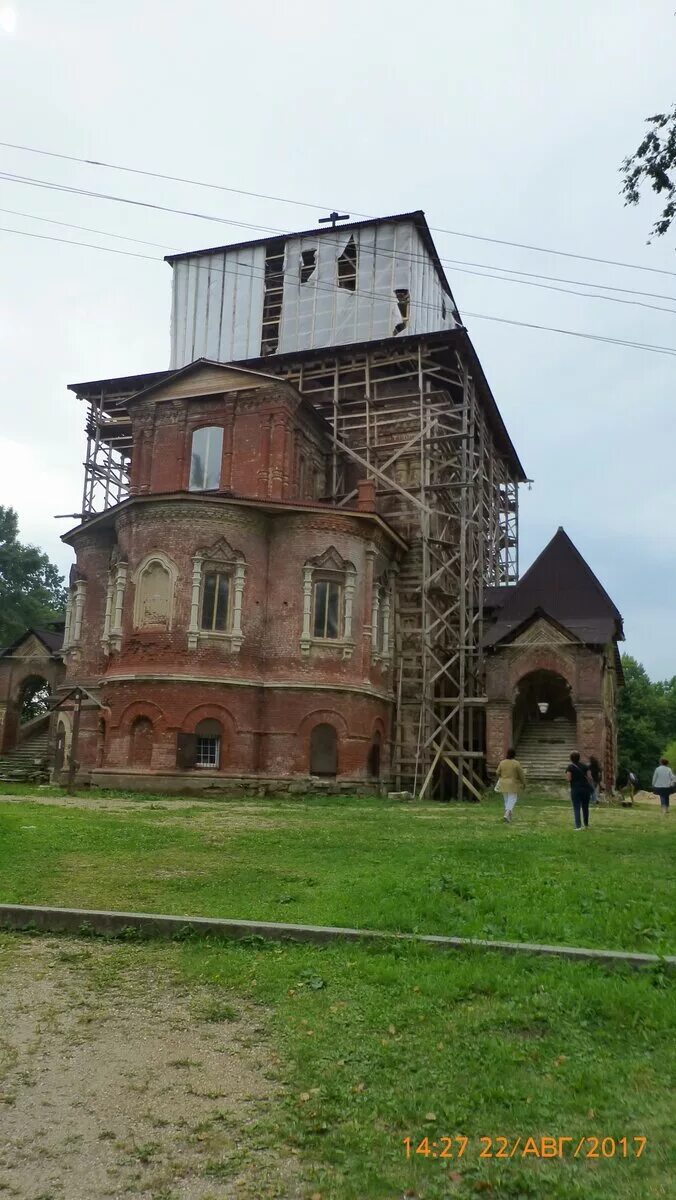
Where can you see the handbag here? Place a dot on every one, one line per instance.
(496, 786)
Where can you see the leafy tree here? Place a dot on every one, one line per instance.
(654, 163)
(32, 591)
(646, 720)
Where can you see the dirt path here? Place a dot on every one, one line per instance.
(120, 1083)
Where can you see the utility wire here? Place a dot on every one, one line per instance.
(530, 282)
(647, 346)
(51, 186)
(305, 204)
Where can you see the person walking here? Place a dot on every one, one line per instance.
(595, 772)
(511, 781)
(581, 787)
(664, 782)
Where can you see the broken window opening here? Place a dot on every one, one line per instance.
(308, 263)
(273, 286)
(404, 305)
(347, 267)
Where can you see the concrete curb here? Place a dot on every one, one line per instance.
(158, 925)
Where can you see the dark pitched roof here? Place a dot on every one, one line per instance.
(560, 584)
(51, 638)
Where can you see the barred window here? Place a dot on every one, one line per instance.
(208, 752)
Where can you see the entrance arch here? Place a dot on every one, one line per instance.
(535, 690)
(33, 699)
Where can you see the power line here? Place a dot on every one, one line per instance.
(86, 229)
(647, 346)
(305, 204)
(51, 186)
(532, 281)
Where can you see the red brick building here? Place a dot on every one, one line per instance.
(553, 666)
(225, 621)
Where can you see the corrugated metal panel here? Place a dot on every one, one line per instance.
(218, 298)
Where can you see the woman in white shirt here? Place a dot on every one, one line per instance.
(664, 781)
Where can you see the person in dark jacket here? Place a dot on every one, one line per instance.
(580, 780)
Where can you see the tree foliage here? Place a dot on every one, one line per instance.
(32, 591)
(654, 164)
(646, 720)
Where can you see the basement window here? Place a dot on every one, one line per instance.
(404, 305)
(308, 262)
(347, 267)
(273, 286)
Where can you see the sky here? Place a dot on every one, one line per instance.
(504, 119)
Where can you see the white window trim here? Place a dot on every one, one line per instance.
(328, 564)
(112, 622)
(72, 634)
(382, 603)
(220, 558)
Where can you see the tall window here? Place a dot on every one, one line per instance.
(205, 459)
(216, 601)
(327, 607)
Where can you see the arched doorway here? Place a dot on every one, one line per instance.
(324, 751)
(374, 756)
(141, 737)
(544, 724)
(33, 699)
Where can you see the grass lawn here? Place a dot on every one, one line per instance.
(444, 869)
(375, 1047)
(379, 1045)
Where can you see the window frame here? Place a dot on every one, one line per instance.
(206, 486)
(200, 743)
(220, 572)
(329, 579)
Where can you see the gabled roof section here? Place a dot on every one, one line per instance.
(226, 377)
(51, 639)
(561, 586)
(417, 218)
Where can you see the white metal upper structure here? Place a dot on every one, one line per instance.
(325, 287)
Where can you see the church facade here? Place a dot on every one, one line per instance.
(229, 622)
(295, 541)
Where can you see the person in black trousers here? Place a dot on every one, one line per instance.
(581, 787)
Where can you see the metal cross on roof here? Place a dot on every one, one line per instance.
(333, 217)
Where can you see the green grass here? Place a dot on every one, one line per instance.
(408, 1042)
(445, 869)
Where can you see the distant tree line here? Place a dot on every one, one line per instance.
(646, 721)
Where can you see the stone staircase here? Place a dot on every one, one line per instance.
(544, 749)
(27, 762)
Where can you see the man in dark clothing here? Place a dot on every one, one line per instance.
(581, 786)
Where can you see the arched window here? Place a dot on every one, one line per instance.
(154, 602)
(205, 458)
(373, 762)
(141, 737)
(209, 734)
(324, 751)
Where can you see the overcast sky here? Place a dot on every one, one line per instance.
(501, 118)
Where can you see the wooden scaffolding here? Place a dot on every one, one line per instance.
(416, 416)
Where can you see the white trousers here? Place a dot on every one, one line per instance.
(510, 800)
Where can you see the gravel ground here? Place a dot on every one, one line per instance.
(118, 1084)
